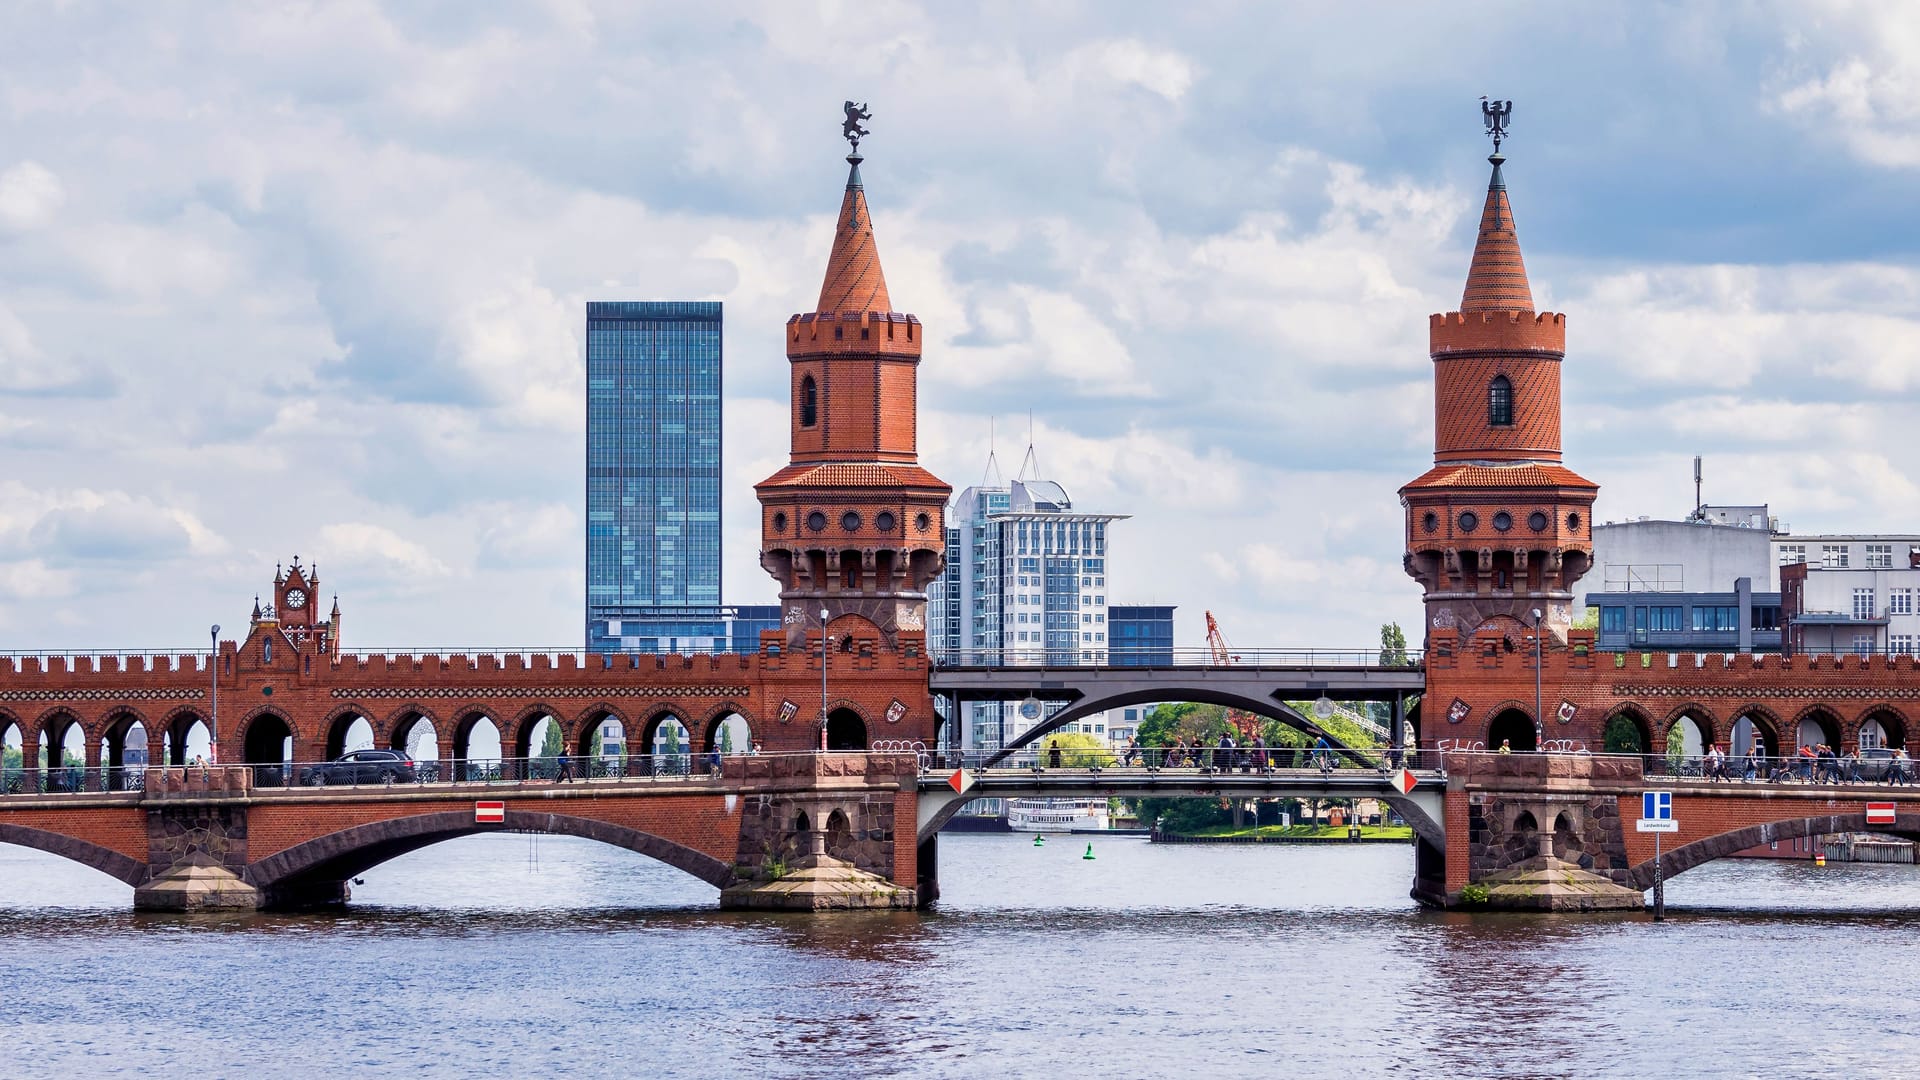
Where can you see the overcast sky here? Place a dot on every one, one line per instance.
(283, 279)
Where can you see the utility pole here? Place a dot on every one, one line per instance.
(1539, 721)
(213, 697)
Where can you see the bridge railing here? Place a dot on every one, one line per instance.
(1207, 760)
(1039, 656)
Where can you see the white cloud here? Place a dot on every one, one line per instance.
(30, 194)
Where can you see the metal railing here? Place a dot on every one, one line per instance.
(1041, 656)
(1204, 760)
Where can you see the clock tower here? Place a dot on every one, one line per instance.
(296, 603)
(853, 526)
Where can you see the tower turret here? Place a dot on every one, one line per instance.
(853, 525)
(1498, 528)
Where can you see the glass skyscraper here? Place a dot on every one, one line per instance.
(653, 476)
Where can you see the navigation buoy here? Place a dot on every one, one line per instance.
(1819, 858)
(1040, 840)
(1089, 853)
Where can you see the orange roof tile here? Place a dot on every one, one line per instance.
(854, 282)
(1497, 281)
(1531, 475)
(853, 474)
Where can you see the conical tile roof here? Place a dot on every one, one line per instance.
(854, 282)
(1497, 281)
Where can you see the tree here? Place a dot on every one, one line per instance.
(1621, 737)
(1078, 750)
(1393, 645)
(550, 746)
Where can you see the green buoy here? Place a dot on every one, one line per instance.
(1089, 853)
(1040, 840)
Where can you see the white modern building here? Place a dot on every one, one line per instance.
(1839, 608)
(1026, 583)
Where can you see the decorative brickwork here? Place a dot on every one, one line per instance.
(854, 526)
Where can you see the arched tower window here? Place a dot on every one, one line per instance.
(1500, 402)
(809, 402)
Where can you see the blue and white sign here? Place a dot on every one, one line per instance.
(1656, 813)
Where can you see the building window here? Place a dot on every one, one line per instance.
(1766, 617)
(1469, 521)
(1537, 521)
(816, 521)
(1503, 521)
(809, 402)
(1863, 603)
(1880, 556)
(1716, 618)
(1613, 620)
(1900, 601)
(1833, 556)
(1863, 644)
(1792, 554)
(1900, 645)
(1665, 619)
(884, 521)
(1500, 402)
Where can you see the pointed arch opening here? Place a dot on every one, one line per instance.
(729, 734)
(846, 730)
(124, 751)
(1514, 729)
(348, 732)
(13, 741)
(809, 401)
(267, 745)
(417, 736)
(475, 749)
(603, 745)
(669, 746)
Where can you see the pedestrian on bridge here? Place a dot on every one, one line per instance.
(1053, 754)
(1899, 770)
(564, 767)
(1752, 763)
(713, 762)
(1133, 747)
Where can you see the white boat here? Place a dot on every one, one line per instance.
(1056, 815)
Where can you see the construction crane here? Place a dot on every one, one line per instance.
(1246, 724)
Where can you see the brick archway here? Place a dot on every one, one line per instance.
(107, 861)
(341, 855)
(1720, 845)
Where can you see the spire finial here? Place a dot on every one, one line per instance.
(1497, 115)
(851, 130)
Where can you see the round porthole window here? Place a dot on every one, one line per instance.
(1573, 523)
(923, 523)
(850, 521)
(779, 523)
(1431, 522)
(1469, 521)
(884, 521)
(1503, 521)
(1537, 521)
(816, 521)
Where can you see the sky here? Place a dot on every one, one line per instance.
(310, 279)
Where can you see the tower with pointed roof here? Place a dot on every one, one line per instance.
(853, 525)
(1499, 528)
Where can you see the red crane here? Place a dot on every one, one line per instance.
(1245, 723)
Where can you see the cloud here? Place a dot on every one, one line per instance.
(376, 553)
(30, 194)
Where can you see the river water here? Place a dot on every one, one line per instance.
(510, 956)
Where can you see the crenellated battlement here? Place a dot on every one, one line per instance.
(69, 664)
(1481, 332)
(826, 333)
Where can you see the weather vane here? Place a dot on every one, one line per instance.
(851, 129)
(1497, 114)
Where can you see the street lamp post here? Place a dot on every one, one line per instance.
(823, 678)
(1539, 722)
(213, 696)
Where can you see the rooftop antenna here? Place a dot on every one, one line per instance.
(993, 477)
(1699, 507)
(1031, 461)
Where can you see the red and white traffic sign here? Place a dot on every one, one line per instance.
(1403, 780)
(960, 781)
(1880, 813)
(490, 813)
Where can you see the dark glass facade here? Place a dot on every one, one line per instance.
(1142, 635)
(653, 476)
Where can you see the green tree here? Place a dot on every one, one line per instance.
(550, 745)
(1621, 737)
(1183, 815)
(1393, 645)
(1078, 750)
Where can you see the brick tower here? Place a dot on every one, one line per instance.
(1498, 527)
(853, 525)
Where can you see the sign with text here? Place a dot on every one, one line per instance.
(1656, 825)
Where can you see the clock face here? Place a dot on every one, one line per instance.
(296, 598)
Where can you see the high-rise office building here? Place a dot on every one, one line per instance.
(653, 476)
(1025, 583)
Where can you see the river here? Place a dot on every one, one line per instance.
(509, 956)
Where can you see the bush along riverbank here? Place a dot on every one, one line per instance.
(1289, 834)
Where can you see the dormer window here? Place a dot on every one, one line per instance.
(809, 402)
(1500, 402)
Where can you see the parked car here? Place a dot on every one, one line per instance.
(362, 767)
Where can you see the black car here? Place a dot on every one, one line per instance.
(362, 767)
